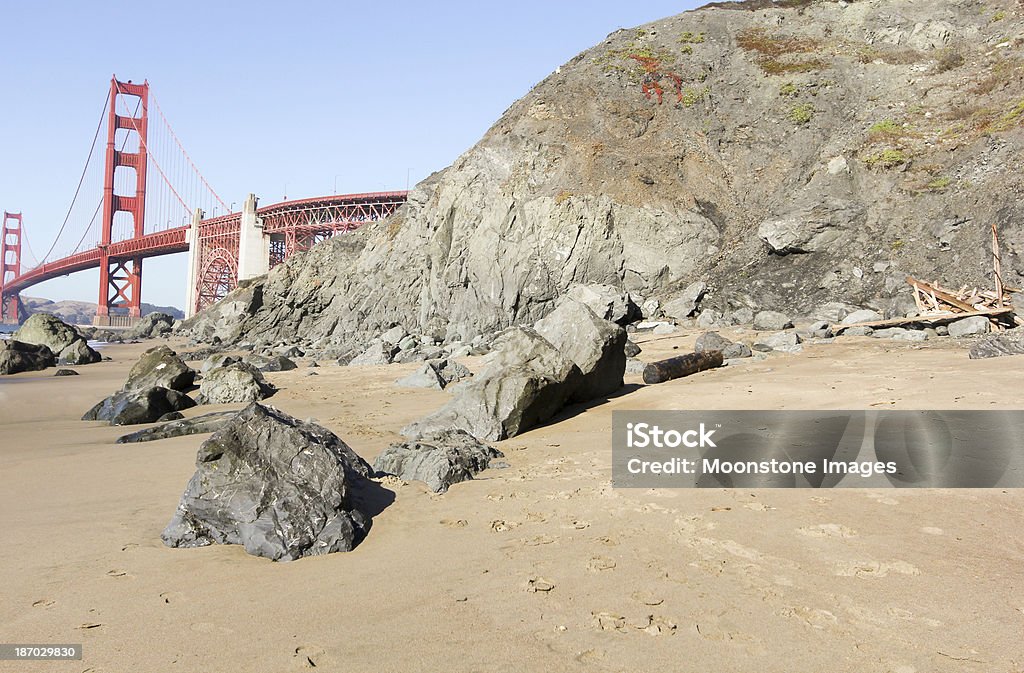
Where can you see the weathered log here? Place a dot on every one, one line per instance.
(683, 365)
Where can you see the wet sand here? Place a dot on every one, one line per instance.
(637, 580)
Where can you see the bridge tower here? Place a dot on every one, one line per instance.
(10, 266)
(121, 277)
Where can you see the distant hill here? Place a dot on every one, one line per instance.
(82, 312)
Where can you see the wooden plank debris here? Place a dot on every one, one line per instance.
(923, 318)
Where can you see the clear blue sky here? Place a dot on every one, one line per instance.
(272, 98)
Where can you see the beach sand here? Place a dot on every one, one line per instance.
(629, 580)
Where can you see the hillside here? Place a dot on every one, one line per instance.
(786, 154)
(82, 312)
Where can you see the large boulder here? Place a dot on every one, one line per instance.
(237, 382)
(281, 487)
(64, 340)
(438, 461)
(606, 301)
(152, 325)
(159, 367)
(18, 356)
(130, 407)
(526, 382)
(597, 346)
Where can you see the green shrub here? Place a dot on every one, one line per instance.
(801, 114)
(887, 158)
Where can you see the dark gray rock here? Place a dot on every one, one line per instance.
(65, 372)
(237, 382)
(171, 416)
(771, 321)
(130, 407)
(597, 346)
(18, 356)
(178, 426)
(998, 346)
(270, 363)
(282, 488)
(526, 382)
(439, 460)
(159, 367)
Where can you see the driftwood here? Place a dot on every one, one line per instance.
(923, 318)
(683, 365)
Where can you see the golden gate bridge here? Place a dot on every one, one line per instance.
(154, 202)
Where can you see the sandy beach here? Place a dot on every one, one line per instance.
(541, 566)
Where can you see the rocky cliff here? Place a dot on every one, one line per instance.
(787, 154)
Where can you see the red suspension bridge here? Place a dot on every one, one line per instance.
(145, 213)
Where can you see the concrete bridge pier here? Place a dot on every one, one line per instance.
(253, 245)
(192, 238)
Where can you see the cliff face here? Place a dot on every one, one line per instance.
(787, 156)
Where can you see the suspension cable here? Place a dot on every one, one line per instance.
(81, 179)
(182, 148)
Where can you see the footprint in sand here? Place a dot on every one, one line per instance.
(813, 617)
(874, 568)
(600, 563)
(43, 603)
(117, 572)
(455, 523)
(502, 526)
(310, 656)
(647, 598)
(827, 530)
(883, 499)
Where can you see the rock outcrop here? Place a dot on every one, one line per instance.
(67, 344)
(18, 356)
(281, 487)
(810, 153)
(438, 461)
